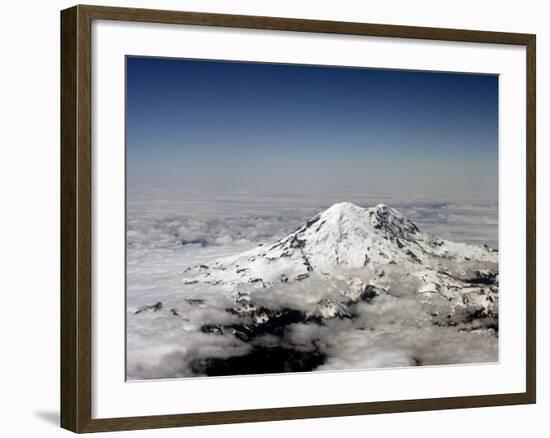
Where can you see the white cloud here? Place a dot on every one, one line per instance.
(164, 237)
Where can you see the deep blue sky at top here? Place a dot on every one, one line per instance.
(288, 127)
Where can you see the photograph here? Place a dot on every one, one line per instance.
(285, 218)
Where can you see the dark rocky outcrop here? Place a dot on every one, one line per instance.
(149, 308)
(261, 360)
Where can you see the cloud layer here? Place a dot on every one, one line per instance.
(166, 236)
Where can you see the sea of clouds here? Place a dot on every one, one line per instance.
(170, 230)
(156, 220)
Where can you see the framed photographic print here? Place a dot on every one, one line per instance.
(271, 218)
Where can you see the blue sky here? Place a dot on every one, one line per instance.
(288, 128)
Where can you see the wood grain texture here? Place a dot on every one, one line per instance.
(299, 25)
(76, 218)
(295, 413)
(76, 186)
(531, 213)
(69, 329)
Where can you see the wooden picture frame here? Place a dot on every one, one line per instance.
(76, 218)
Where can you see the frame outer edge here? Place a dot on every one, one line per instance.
(76, 220)
(303, 25)
(76, 250)
(69, 344)
(531, 243)
(84, 218)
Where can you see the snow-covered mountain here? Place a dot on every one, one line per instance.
(342, 237)
(366, 248)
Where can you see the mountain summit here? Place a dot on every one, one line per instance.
(349, 236)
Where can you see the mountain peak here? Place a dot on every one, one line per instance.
(339, 206)
(342, 209)
(381, 217)
(347, 208)
(382, 209)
